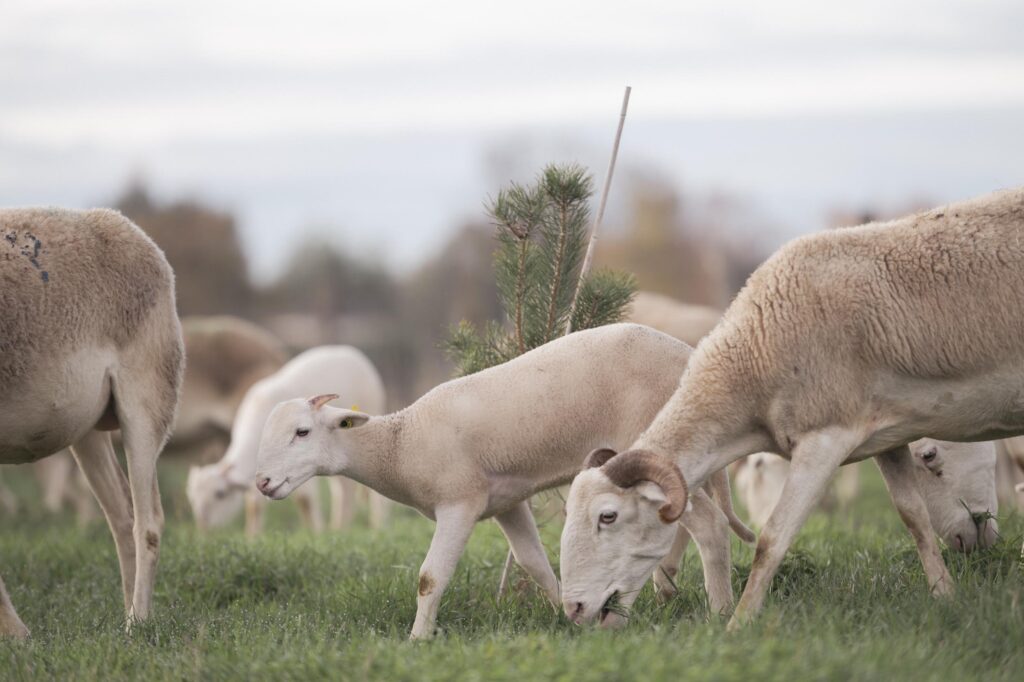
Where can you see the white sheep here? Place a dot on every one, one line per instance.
(90, 342)
(844, 345)
(215, 491)
(482, 445)
(951, 477)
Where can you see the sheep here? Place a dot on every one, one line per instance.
(687, 322)
(89, 342)
(1010, 468)
(225, 356)
(480, 446)
(215, 491)
(949, 475)
(844, 345)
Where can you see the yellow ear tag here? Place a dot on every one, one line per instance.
(354, 408)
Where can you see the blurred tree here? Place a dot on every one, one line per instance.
(542, 233)
(201, 245)
(666, 256)
(323, 281)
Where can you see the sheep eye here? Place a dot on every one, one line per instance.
(345, 423)
(608, 517)
(301, 433)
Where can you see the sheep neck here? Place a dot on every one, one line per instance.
(373, 458)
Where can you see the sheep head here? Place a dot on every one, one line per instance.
(301, 439)
(621, 517)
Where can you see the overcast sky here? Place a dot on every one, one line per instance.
(378, 118)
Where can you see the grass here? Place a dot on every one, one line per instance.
(850, 602)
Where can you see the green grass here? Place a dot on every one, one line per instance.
(849, 603)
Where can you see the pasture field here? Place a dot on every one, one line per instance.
(849, 602)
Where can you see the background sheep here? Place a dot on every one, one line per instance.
(215, 491)
(91, 342)
(1010, 472)
(842, 346)
(482, 445)
(950, 477)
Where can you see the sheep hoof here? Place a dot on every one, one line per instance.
(18, 634)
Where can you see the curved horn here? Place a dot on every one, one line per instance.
(598, 457)
(635, 466)
(319, 401)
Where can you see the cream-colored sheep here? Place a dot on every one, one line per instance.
(482, 445)
(949, 476)
(215, 491)
(89, 342)
(844, 345)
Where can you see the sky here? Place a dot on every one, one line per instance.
(385, 124)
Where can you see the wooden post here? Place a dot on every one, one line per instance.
(589, 257)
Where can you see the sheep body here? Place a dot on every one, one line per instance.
(850, 344)
(90, 341)
(482, 445)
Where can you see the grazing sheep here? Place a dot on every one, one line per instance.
(687, 322)
(482, 445)
(90, 342)
(949, 476)
(215, 491)
(225, 357)
(844, 345)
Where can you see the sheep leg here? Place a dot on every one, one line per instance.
(520, 530)
(454, 526)
(8, 500)
(255, 505)
(668, 568)
(10, 624)
(142, 445)
(814, 461)
(709, 526)
(53, 474)
(307, 497)
(95, 455)
(895, 466)
(343, 501)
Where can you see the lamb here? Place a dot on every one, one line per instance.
(482, 445)
(950, 477)
(215, 491)
(842, 346)
(89, 342)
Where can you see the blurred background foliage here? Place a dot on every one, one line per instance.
(676, 244)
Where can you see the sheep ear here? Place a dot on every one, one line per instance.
(319, 401)
(351, 421)
(598, 457)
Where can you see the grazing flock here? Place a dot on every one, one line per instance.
(898, 341)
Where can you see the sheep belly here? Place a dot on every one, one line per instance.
(54, 407)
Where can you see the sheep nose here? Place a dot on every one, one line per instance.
(263, 484)
(574, 610)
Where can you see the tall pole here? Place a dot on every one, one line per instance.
(589, 257)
